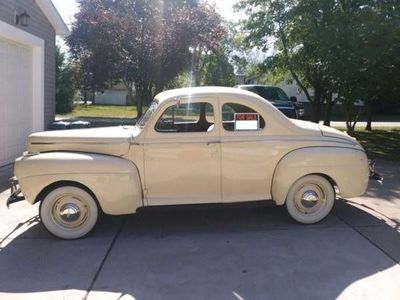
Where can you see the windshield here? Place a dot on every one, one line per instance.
(272, 93)
(143, 120)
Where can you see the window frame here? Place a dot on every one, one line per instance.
(227, 102)
(187, 101)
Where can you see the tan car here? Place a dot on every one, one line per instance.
(194, 145)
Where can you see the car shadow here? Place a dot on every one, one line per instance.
(204, 252)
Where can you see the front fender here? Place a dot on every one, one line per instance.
(347, 167)
(113, 180)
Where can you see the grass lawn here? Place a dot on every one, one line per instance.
(380, 142)
(106, 111)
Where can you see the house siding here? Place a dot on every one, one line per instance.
(40, 27)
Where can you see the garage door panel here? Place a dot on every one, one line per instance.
(15, 99)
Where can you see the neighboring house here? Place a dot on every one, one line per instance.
(115, 95)
(28, 30)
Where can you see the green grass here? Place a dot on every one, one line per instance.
(380, 142)
(105, 111)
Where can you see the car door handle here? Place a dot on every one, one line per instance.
(213, 142)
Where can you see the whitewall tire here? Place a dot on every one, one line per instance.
(310, 199)
(68, 212)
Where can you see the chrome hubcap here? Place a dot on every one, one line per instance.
(310, 198)
(70, 211)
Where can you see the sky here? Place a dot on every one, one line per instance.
(68, 8)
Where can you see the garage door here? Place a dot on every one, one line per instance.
(15, 99)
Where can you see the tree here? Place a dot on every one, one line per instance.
(335, 47)
(144, 43)
(294, 30)
(217, 71)
(365, 41)
(65, 89)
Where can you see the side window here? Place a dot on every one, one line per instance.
(187, 117)
(238, 117)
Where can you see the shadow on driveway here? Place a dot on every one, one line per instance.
(218, 252)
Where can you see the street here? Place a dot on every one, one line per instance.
(211, 252)
(378, 124)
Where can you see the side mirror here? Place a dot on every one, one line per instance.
(293, 99)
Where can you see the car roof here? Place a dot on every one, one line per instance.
(198, 91)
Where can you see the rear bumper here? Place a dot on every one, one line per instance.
(372, 174)
(16, 195)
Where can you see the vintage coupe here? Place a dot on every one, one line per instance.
(194, 145)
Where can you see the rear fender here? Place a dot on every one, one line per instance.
(346, 167)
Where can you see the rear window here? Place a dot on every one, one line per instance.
(238, 117)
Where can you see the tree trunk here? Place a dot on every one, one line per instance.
(85, 96)
(316, 105)
(350, 129)
(129, 98)
(368, 108)
(93, 96)
(139, 101)
(143, 96)
(328, 110)
(351, 119)
(315, 111)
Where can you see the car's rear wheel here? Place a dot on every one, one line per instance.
(310, 199)
(68, 212)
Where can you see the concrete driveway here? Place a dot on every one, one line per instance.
(235, 252)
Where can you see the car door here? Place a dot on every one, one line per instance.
(183, 156)
(247, 157)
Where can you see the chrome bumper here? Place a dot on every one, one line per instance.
(372, 174)
(16, 195)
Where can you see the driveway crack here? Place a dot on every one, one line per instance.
(104, 259)
(367, 238)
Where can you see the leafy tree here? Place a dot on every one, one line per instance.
(217, 71)
(294, 32)
(65, 89)
(145, 43)
(345, 47)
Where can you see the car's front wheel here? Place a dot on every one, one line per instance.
(68, 212)
(310, 199)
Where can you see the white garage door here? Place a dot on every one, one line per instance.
(15, 99)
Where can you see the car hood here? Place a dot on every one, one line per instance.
(107, 140)
(282, 103)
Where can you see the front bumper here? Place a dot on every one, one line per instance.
(372, 174)
(16, 195)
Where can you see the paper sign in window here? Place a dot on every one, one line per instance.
(247, 121)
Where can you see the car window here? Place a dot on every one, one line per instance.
(187, 117)
(238, 117)
(271, 93)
